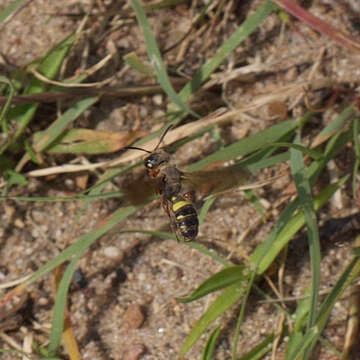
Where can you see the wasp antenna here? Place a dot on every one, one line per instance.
(136, 148)
(163, 135)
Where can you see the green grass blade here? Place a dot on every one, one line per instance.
(351, 272)
(265, 253)
(108, 195)
(205, 208)
(54, 131)
(156, 59)
(49, 67)
(248, 145)
(239, 35)
(10, 9)
(306, 203)
(194, 245)
(259, 351)
(57, 326)
(209, 348)
(80, 246)
(220, 280)
(6, 107)
(230, 296)
(334, 126)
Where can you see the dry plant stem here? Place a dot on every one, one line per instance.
(14, 282)
(186, 130)
(76, 92)
(88, 73)
(10, 341)
(281, 273)
(352, 329)
(172, 136)
(279, 330)
(316, 65)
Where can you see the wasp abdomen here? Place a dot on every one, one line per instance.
(185, 217)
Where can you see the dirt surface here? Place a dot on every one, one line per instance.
(123, 304)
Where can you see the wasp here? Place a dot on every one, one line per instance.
(177, 188)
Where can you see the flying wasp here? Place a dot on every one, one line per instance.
(177, 187)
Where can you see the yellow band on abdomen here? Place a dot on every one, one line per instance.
(178, 205)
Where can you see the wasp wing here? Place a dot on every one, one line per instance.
(217, 180)
(141, 190)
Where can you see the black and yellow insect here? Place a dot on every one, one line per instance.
(177, 188)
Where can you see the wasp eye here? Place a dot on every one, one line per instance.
(149, 165)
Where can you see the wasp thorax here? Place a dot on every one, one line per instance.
(154, 160)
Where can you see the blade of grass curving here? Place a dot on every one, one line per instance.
(286, 227)
(240, 34)
(357, 156)
(50, 135)
(333, 147)
(218, 281)
(6, 107)
(57, 326)
(349, 275)
(137, 64)
(230, 296)
(333, 127)
(306, 203)
(248, 145)
(49, 67)
(156, 60)
(209, 348)
(205, 208)
(259, 351)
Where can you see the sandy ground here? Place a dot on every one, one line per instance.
(123, 305)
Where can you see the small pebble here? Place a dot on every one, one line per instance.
(112, 252)
(157, 99)
(133, 316)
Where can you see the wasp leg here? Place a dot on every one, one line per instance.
(165, 205)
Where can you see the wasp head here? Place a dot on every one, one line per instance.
(156, 161)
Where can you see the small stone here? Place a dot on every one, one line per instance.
(133, 316)
(19, 223)
(134, 352)
(157, 99)
(112, 252)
